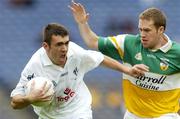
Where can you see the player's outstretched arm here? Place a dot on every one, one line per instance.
(136, 70)
(81, 17)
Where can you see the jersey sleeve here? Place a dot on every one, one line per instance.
(91, 59)
(112, 46)
(29, 72)
(20, 87)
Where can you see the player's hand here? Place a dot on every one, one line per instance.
(79, 12)
(138, 70)
(36, 95)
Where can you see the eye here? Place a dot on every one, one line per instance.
(67, 43)
(59, 44)
(146, 30)
(140, 29)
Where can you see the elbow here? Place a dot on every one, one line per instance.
(18, 102)
(90, 46)
(13, 105)
(93, 45)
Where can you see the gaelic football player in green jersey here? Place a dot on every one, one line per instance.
(156, 94)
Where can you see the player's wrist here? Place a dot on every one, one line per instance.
(127, 70)
(82, 22)
(28, 99)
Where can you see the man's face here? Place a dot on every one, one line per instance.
(150, 36)
(57, 51)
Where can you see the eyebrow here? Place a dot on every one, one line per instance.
(62, 42)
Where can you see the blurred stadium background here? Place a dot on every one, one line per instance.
(21, 23)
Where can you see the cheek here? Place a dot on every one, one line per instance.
(67, 48)
(151, 36)
(54, 52)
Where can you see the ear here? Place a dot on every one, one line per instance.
(161, 29)
(45, 45)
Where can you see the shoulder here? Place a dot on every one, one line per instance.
(35, 59)
(119, 38)
(74, 46)
(37, 55)
(175, 48)
(176, 45)
(132, 40)
(75, 49)
(79, 52)
(132, 37)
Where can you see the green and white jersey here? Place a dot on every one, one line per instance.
(156, 93)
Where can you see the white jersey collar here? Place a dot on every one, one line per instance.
(45, 59)
(165, 47)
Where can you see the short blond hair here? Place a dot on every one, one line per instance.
(154, 14)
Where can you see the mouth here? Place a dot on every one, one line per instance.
(62, 57)
(144, 40)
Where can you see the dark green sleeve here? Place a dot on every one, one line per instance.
(107, 48)
(132, 47)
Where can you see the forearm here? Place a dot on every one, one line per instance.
(19, 102)
(115, 65)
(89, 37)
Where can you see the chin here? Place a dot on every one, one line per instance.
(61, 62)
(145, 46)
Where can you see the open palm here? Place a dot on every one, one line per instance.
(79, 12)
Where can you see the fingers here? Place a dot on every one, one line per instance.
(141, 68)
(75, 6)
(137, 72)
(46, 89)
(79, 12)
(47, 98)
(72, 9)
(44, 85)
(73, 1)
(32, 85)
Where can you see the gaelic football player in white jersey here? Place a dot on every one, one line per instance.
(65, 64)
(155, 95)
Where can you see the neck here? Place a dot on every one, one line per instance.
(163, 40)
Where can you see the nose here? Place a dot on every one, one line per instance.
(64, 48)
(142, 34)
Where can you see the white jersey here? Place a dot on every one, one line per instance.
(72, 97)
